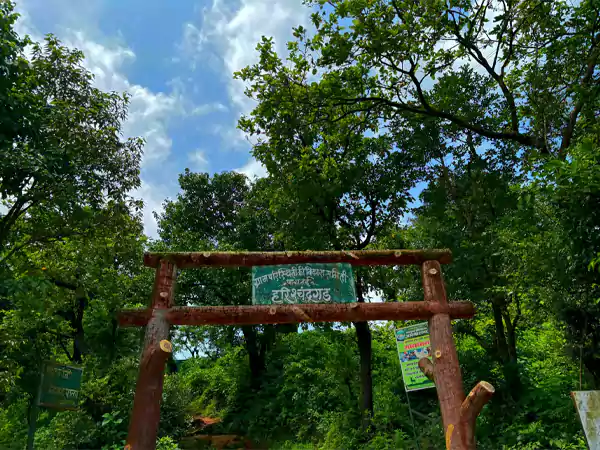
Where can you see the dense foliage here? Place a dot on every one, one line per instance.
(490, 109)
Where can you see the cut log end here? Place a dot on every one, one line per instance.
(470, 409)
(166, 346)
(426, 367)
(487, 386)
(476, 400)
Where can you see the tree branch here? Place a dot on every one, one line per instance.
(62, 284)
(514, 136)
(372, 225)
(62, 345)
(478, 56)
(468, 330)
(569, 129)
(9, 219)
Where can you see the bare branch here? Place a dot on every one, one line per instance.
(475, 52)
(514, 136)
(372, 225)
(592, 61)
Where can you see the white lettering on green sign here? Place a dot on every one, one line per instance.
(303, 283)
(60, 386)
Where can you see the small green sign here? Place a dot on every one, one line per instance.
(303, 283)
(413, 344)
(60, 386)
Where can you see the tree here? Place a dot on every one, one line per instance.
(222, 212)
(539, 57)
(65, 167)
(462, 210)
(70, 235)
(335, 187)
(552, 236)
(61, 300)
(474, 89)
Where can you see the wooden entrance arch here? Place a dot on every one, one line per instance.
(458, 413)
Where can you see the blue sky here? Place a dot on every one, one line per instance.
(176, 59)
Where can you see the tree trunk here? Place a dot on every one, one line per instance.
(506, 347)
(592, 365)
(254, 356)
(145, 415)
(589, 352)
(113, 340)
(77, 325)
(363, 336)
(501, 345)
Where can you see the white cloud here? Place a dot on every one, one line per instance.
(153, 196)
(253, 169)
(236, 29)
(209, 108)
(226, 40)
(148, 113)
(199, 161)
(231, 136)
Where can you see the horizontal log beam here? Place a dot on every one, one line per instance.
(188, 260)
(270, 314)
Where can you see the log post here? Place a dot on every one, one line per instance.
(471, 408)
(446, 371)
(145, 417)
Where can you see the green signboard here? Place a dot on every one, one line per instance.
(60, 386)
(303, 283)
(413, 344)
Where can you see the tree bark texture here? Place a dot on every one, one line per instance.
(447, 375)
(363, 336)
(470, 407)
(145, 417)
(256, 348)
(506, 348)
(77, 325)
(272, 314)
(247, 259)
(458, 414)
(365, 351)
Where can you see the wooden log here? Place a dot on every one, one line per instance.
(247, 259)
(470, 409)
(271, 314)
(426, 367)
(145, 417)
(446, 370)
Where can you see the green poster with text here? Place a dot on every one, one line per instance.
(413, 344)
